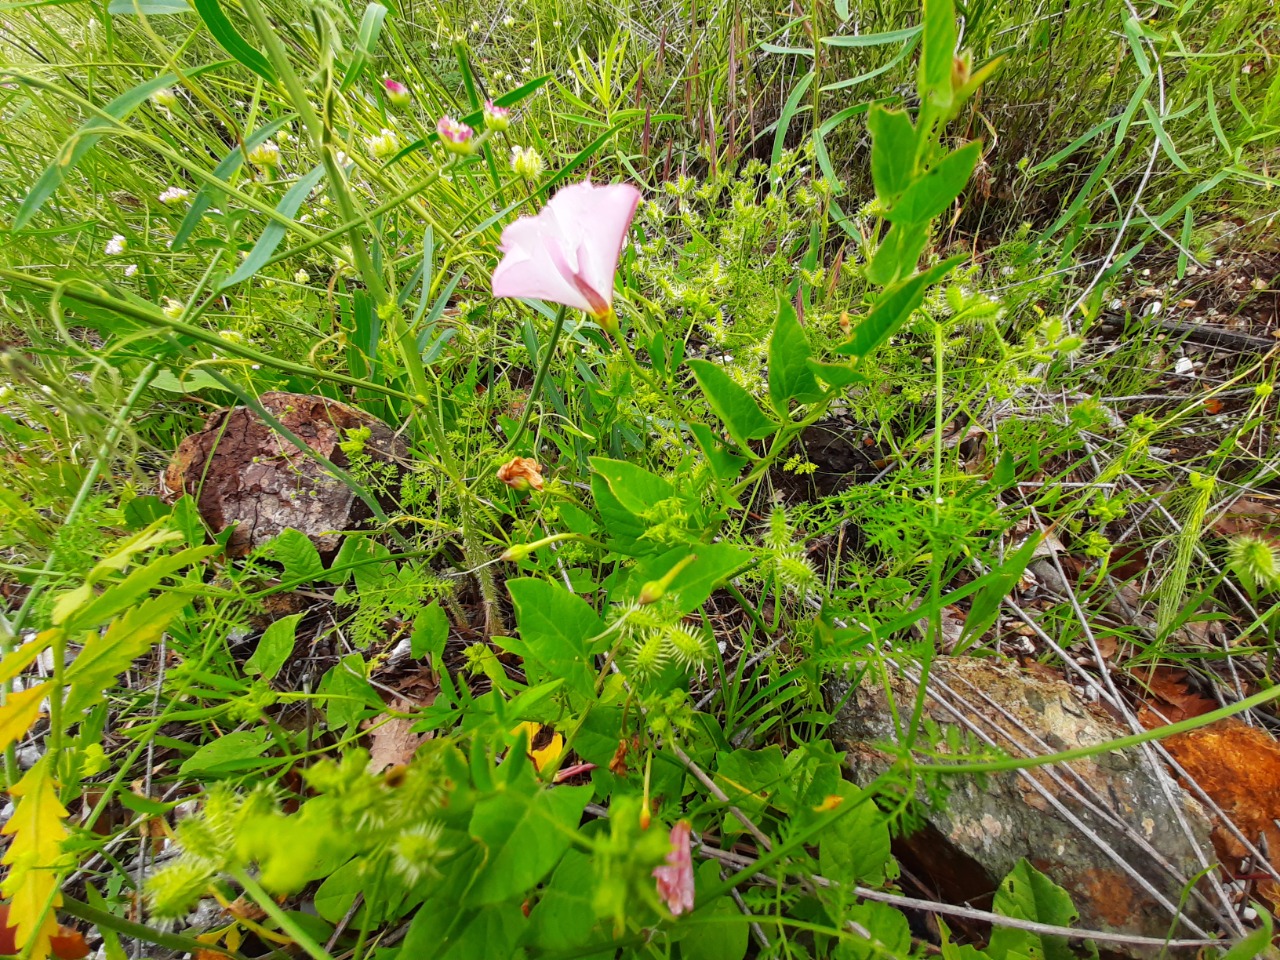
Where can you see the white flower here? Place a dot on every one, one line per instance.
(231, 336)
(115, 246)
(301, 277)
(265, 154)
(6, 392)
(508, 22)
(173, 309)
(383, 145)
(165, 98)
(526, 162)
(475, 26)
(173, 196)
(130, 269)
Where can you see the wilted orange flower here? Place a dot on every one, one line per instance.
(521, 473)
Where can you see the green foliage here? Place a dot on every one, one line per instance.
(643, 639)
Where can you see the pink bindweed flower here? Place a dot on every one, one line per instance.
(675, 877)
(495, 117)
(397, 93)
(569, 252)
(455, 136)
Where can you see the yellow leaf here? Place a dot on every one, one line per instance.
(18, 660)
(545, 756)
(20, 712)
(32, 882)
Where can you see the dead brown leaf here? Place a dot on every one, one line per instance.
(1238, 766)
(1167, 698)
(392, 742)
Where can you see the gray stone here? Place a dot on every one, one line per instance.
(1117, 799)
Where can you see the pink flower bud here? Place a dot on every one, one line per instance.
(675, 878)
(397, 93)
(496, 118)
(454, 135)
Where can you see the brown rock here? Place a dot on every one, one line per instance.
(986, 826)
(241, 471)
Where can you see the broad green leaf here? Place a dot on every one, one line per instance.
(691, 587)
(898, 253)
(835, 374)
(207, 195)
(636, 488)
(855, 848)
(1027, 894)
(937, 53)
(190, 381)
(1255, 944)
(751, 779)
(430, 632)
(294, 550)
(725, 465)
(625, 529)
(893, 309)
(120, 596)
(889, 929)
(524, 837)
(349, 695)
(230, 40)
(232, 752)
(934, 192)
(789, 375)
(736, 408)
(718, 933)
(147, 8)
(557, 629)
(104, 656)
(565, 916)
(274, 231)
(274, 647)
(87, 136)
(893, 151)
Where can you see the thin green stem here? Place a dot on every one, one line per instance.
(539, 378)
(282, 919)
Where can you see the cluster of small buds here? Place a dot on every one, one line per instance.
(526, 162)
(115, 246)
(172, 196)
(130, 269)
(265, 154)
(383, 144)
(496, 118)
(165, 98)
(397, 93)
(455, 136)
(302, 277)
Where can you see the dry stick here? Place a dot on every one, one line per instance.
(701, 776)
(970, 913)
(1194, 788)
(1070, 817)
(1103, 814)
(1167, 786)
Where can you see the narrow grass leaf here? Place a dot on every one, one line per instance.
(228, 37)
(147, 8)
(86, 137)
(366, 44)
(907, 49)
(274, 232)
(789, 110)
(208, 194)
(1133, 33)
(872, 39)
(1163, 137)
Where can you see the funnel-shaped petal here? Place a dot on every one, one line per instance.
(569, 252)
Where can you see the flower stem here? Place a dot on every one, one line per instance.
(539, 378)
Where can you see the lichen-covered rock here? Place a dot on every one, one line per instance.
(988, 825)
(241, 471)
